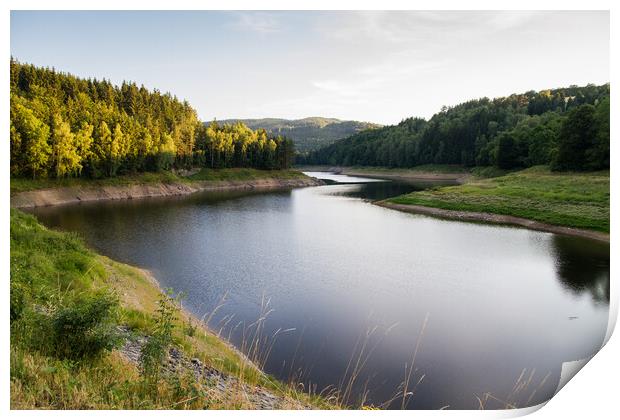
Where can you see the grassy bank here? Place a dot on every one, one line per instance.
(579, 200)
(67, 304)
(146, 178)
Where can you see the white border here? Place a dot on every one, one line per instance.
(591, 394)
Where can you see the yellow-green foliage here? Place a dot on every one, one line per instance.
(244, 174)
(63, 126)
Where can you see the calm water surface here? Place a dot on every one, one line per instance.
(340, 272)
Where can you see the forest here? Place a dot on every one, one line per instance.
(567, 129)
(65, 126)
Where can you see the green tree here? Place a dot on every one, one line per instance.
(29, 141)
(166, 152)
(100, 150)
(65, 156)
(16, 146)
(576, 137)
(507, 152)
(114, 149)
(84, 143)
(597, 157)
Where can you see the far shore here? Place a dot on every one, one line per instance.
(89, 193)
(495, 219)
(422, 173)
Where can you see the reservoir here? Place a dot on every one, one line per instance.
(364, 298)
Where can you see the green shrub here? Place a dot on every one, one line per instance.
(18, 300)
(155, 350)
(85, 328)
(78, 329)
(190, 328)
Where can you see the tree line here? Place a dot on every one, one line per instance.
(566, 128)
(65, 126)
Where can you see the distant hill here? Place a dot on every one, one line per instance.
(566, 128)
(308, 133)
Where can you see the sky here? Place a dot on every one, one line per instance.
(372, 66)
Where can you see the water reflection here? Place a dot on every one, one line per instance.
(498, 299)
(335, 178)
(373, 189)
(583, 266)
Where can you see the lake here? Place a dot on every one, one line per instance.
(356, 292)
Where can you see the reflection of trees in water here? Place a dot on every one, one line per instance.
(583, 265)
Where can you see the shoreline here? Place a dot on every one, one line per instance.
(403, 175)
(492, 218)
(148, 275)
(412, 176)
(230, 378)
(73, 195)
(257, 394)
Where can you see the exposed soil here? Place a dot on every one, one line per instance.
(496, 218)
(69, 195)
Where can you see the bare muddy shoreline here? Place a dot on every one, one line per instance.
(77, 194)
(495, 219)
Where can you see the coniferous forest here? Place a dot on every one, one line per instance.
(65, 126)
(567, 129)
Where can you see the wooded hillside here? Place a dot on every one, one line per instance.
(566, 128)
(65, 126)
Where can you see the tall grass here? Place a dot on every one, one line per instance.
(351, 391)
(521, 394)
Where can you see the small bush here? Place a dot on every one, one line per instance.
(155, 351)
(190, 328)
(84, 328)
(75, 330)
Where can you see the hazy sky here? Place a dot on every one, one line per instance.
(372, 66)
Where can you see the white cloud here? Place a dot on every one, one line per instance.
(259, 22)
(397, 28)
(385, 66)
(511, 19)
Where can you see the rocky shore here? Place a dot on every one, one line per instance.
(222, 386)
